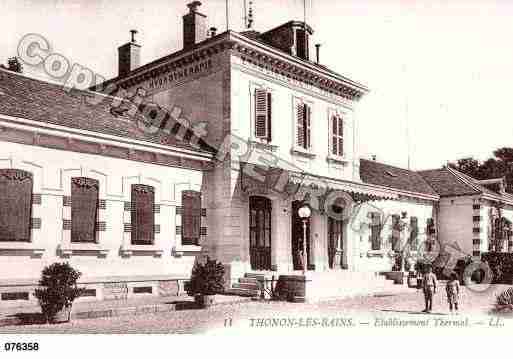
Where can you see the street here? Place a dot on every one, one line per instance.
(246, 315)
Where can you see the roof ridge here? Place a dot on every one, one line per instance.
(463, 178)
(60, 85)
(386, 164)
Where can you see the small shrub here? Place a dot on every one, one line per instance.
(207, 278)
(58, 289)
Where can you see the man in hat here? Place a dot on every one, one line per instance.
(429, 288)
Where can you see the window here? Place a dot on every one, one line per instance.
(191, 217)
(142, 214)
(303, 115)
(84, 209)
(375, 228)
(263, 115)
(414, 232)
(337, 135)
(15, 205)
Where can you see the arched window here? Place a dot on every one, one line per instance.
(84, 209)
(15, 205)
(143, 215)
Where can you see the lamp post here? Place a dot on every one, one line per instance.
(304, 213)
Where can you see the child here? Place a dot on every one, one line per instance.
(453, 292)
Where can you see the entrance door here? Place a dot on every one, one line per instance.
(335, 243)
(260, 233)
(297, 239)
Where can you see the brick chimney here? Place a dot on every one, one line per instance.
(129, 56)
(194, 26)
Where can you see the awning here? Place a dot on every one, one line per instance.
(279, 180)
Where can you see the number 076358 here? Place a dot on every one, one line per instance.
(20, 347)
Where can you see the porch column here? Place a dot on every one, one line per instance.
(281, 247)
(352, 243)
(319, 241)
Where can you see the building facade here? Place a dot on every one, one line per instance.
(211, 151)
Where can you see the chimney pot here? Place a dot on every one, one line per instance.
(317, 51)
(193, 6)
(133, 32)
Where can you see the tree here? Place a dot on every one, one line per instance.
(13, 64)
(469, 166)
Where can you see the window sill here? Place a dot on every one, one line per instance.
(375, 253)
(21, 246)
(180, 251)
(127, 251)
(263, 145)
(300, 151)
(68, 250)
(337, 159)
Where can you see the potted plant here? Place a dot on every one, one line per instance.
(207, 280)
(58, 289)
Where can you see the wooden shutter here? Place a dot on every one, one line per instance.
(15, 205)
(396, 232)
(340, 136)
(300, 119)
(84, 207)
(143, 215)
(414, 231)
(269, 117)
(263, 114)
(308, 115)
(337, 135)
(334, 137)
(375, 231)
(191, 217)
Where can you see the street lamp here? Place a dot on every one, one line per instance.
(304, 213)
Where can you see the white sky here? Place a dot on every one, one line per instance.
(449, 60)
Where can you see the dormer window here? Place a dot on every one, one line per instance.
(292, 37)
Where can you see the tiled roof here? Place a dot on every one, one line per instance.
(398, 178)
(36, 100)
(446, 183)
(449, 182)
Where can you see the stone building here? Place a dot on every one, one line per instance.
(210, 150)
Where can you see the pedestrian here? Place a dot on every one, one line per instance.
(429, 288)
(453, 292)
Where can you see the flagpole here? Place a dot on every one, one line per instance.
(245, 16)
(227, 21)
(304, 30)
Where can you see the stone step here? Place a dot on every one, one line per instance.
(252, 286)
(248, 280)
(256, 276)
(242, 292)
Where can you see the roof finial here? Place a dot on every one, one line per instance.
(250, 15)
